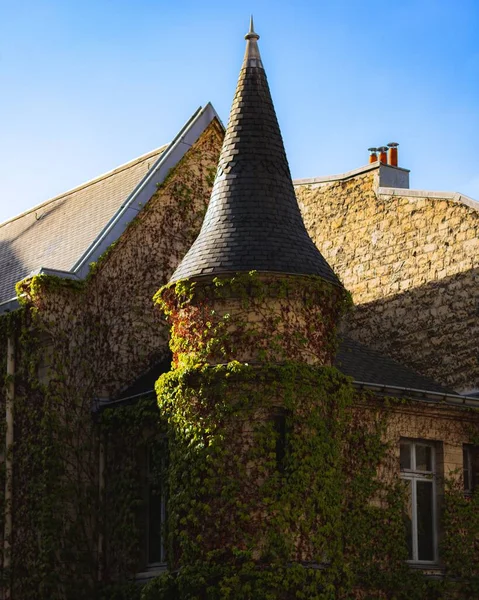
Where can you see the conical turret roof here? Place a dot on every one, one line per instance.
(253, 221)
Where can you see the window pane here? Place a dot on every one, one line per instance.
(425, 520)
(405, 456)
(407, 516)
(155, 518)
(474, 452)
(423, 457)
(466, 467)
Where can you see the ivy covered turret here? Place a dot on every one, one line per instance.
(253, 245)
(253, 309)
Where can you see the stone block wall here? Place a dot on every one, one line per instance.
(411, 264)
(110, 332)
(84, 342)
(448, 427)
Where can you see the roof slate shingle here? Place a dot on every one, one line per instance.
(253, 221)
(368, 366)
(353, 359)
(56, 233)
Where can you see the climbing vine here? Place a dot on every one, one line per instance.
(324, 524)
(128, 433)
(253, 317)
(274, 486)
(312, 508)
(79, 345)
(240, 518)
(276, 462)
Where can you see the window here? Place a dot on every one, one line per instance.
(279, 425)
(418, 464)
(156, 467)
(471, 468)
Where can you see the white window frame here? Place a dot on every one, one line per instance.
(415, 476)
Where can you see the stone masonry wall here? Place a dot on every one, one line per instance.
(448, 427)
(411, 264)
(113, 322)
(94, 339)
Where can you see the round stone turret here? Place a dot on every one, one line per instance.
(257, 288)
(253, 309)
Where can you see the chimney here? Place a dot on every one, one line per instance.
(393, 154)
(372, 155)
(383, 157)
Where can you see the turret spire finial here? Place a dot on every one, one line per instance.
(252, 56)
(251, 35)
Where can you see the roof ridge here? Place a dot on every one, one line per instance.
(88, 183)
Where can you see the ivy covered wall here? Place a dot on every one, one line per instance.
(78, 343)
(283, 479)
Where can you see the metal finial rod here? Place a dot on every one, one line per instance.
(251, 35)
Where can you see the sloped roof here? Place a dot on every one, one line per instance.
(66, 233)
(253, 221)
(55, 233)
(366, 365)
(355, 360)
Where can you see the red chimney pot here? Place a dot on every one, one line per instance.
(393, 154)
(383, 157)
(372, 155)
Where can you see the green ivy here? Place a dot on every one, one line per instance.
(320, 525)
(244, 528)
(317, 523)
(71, 340)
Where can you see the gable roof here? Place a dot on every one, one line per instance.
(54, 234)
(66, 233)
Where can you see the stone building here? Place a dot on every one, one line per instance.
(253, 287)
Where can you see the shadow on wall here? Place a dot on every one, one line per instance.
(433, 328)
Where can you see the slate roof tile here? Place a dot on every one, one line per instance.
(353, 359)
(364, 364)
(56, 233)
(253, 208)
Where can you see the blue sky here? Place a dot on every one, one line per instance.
(87, 85)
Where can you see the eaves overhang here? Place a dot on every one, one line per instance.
(9, 305)
(453, 400)
(13, 304)
(100, 404)
(422, 395)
